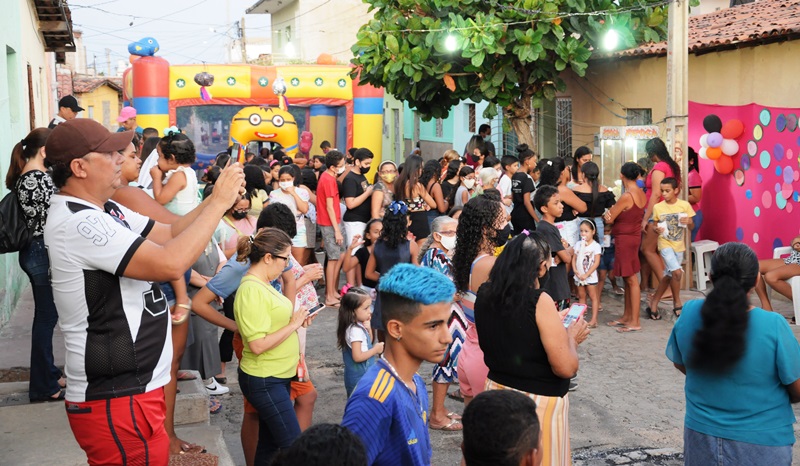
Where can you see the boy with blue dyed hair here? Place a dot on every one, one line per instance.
(389, 408)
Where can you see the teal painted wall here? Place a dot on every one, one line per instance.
(13, 127)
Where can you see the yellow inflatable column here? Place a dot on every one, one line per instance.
(322, 124)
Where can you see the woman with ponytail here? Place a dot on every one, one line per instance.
(28, 178)
(742, 367)
(597, 197)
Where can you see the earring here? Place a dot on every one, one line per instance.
(398, 338)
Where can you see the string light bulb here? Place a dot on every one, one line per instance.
(610, 40)
(450, 43)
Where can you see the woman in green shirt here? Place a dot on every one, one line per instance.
(268, 326)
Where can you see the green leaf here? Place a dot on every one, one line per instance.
(477, 59)
(579, 68)
(561, 65)
(549, 92)
(392, 44)
(417, 76)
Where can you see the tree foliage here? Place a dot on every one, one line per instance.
(508, 52)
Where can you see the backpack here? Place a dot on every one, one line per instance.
(14, 232)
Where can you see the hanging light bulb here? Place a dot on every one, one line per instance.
(450, 43)
(610, 40)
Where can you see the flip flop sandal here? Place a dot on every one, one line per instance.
(653, 314)
(615, 323)
(452, 426)
(628, 329)
(456, 395)
(454, 416)
(186, 375)
(619, 292)
(677, 311)
(214, 405)
(191, 449)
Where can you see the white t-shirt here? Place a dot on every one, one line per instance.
(357, 332)
(586, 255)
(145, 179)
(117, 330)
(504, 186)
(187, 198)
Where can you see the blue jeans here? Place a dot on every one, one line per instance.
(707, 450)
(698, 222)
(44, 373)
(277, 422)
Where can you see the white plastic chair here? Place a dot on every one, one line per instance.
(700, 249)
(794, 282)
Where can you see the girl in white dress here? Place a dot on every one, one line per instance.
(174, 181)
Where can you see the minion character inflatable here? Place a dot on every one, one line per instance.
(267, 124)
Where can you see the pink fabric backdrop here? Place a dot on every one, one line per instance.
(765, 211)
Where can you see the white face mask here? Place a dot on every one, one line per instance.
(448, 242)
(285, 185)
(499, 173)
(469, 183)
(341, 170)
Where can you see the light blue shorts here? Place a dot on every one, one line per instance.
(672, 260)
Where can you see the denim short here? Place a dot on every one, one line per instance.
(607, 259)
(332, 250)
(672, 260)
(705, 450)
(169, 293)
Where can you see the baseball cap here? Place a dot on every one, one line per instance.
(71, 103)
(126, 114)
(75, 138)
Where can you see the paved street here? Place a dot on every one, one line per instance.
(628, 408)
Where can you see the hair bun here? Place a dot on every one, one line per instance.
(522, 148)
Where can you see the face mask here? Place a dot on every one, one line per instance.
(285, 185)
(640, 184)
(448, 242)
(389, 177)
(499, 173)
(469, 183)
(341, 170)
(364, 170)
(501, 236)
(239, 215)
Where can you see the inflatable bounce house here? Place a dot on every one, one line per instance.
(208, 103)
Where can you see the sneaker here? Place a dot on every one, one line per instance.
(215, 388)
(573, 385)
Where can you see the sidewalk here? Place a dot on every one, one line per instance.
(628, 408)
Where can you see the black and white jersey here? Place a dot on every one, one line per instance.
(116, 330)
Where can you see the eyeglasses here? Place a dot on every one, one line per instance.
(447, 232)
(280, 257)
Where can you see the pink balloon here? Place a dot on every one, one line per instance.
(714, 140)
(730, 147)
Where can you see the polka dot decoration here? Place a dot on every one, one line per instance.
(745, 162)
(791, 122)
(780, 202)
(759, 178)
(752, 148)
(778, 170)
(777, 187)
(765, 116)
(748, 194)
(786, 191)
(778, 152)
(755, 237)
(789, 208)
(777, 243)
(788, 175)
(765, 159)
(780, 123)
(766, 199)
(757, 211)
(796, 197)
(739, 234)
(758, 132)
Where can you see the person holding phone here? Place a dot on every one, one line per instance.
(513, 315)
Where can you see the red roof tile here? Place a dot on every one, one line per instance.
(745, 25)
(84, 84)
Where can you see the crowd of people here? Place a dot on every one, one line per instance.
(469, 261)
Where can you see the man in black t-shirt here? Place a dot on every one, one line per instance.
(357, 194)
(523, 216)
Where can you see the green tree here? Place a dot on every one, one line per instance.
(507, 52)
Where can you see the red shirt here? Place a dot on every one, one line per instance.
(327, 188)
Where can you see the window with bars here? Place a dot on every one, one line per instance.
(564, 126)
(471, 119)
(439, 128)
(639, 116)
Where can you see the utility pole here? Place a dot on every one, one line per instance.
(678, 101)
(243, 40)
(108, 62)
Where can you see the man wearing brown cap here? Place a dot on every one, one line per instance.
(68, 109)
(106, 261)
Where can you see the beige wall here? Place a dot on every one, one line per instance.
(330, 28)
(33, 54)
(766, 74)
(93, 103)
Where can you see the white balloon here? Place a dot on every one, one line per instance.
(704, 140)
(730, 147)
(702, 153)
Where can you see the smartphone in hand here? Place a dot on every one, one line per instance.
(315, 309)
(575, 312)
